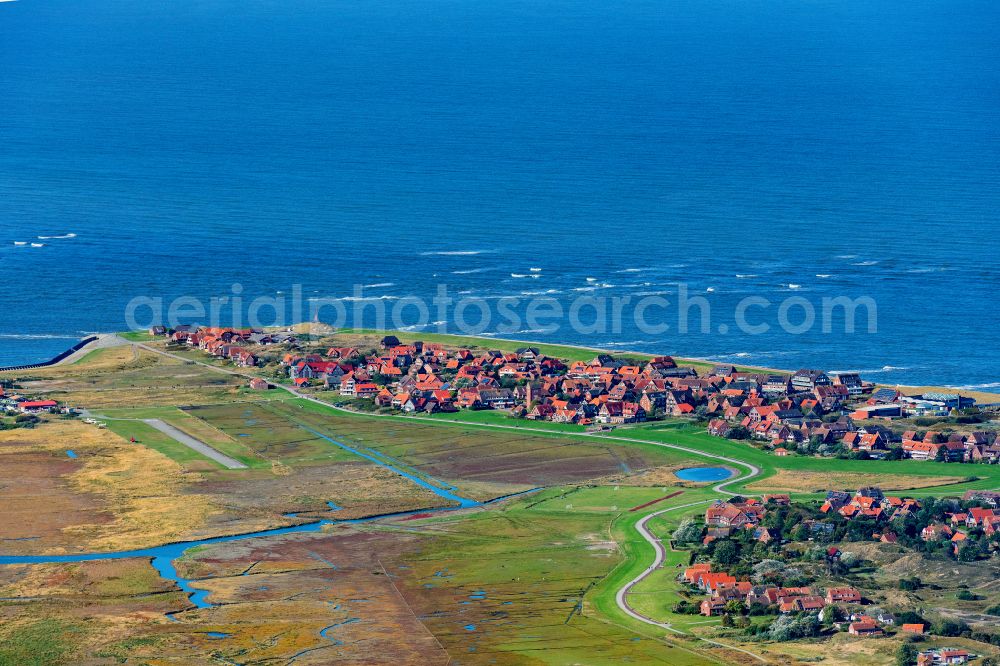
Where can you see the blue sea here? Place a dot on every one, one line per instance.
(775, 148)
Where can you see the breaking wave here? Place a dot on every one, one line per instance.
(871, 371)
(977, 387)
(36, 336)
(452, 253)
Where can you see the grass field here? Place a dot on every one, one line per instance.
(469, 455)
(790, 473)
(494, 417)
(655, 594)
(128, 423)
(129, 377)
(112, 495)
(523, 577)
(36, 643)
(801, 481)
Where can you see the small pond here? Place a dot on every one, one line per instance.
(703, 474)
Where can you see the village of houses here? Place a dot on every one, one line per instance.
(804, 412)
(724, 519)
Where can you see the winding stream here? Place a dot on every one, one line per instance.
(163, 558)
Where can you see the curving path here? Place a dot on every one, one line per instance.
(661, 554)
(621, 596)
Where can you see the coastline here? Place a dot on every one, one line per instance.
(100, 340)
(83, 347)
(908, 389)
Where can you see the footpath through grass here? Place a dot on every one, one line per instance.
(637, 554)
(511, 582)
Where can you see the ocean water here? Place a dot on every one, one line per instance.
(776, 148)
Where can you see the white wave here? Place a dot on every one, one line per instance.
(622, 344)
(38, 245)
(745, 355)
(36, 336)
(936, 269)
(545, 292)
(792, 285)
(64, 236)
(710, 289)
(525, 275)
(653, 293)
(847, 256)
(630, 270)
(823, 275)
(976, 387)
(746, 276)
(20, 242)
(871, 371)
(378, 284)
(470, 271)
(870, 262)
(591, 279)
(384, 297)
(535, 330)
(418, 327)
(535, 270)
(585, 289)
(452, 253)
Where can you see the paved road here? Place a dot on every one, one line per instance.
(194, 444)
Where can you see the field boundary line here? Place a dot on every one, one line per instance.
(412, 612)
